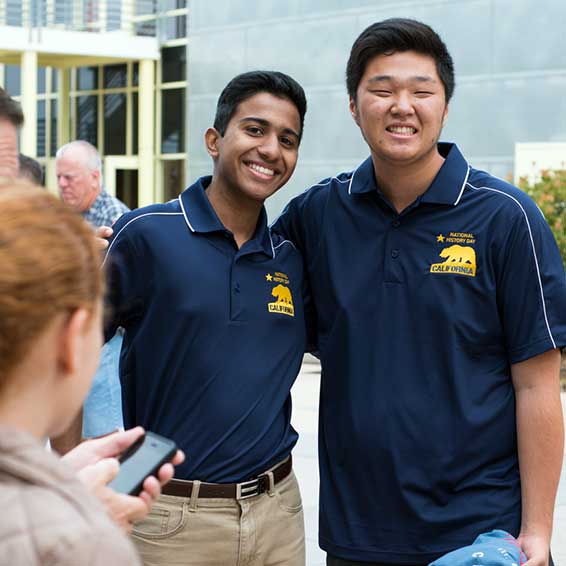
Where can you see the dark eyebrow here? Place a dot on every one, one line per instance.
(417, 78)
(266, 123)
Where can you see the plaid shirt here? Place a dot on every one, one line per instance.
(105, 210)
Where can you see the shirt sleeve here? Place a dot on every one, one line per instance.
(531, 286)
(124, 275)
(289, 224)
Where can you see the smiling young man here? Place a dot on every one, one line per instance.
(213, 313)
(441, 305)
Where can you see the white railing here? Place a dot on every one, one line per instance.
(136, 17)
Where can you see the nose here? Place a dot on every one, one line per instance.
(61, 182)
(402, 105)
(269, 148)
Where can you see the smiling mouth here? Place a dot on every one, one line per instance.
(402, 130)
(260, 169)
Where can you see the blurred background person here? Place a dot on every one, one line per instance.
(30, 170)
(79, 177)
(11, 118)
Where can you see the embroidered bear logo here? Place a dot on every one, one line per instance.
(459, 254)
(283, 294)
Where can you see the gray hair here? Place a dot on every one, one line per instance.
(92, 158)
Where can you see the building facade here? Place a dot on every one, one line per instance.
(117, 73)
(510, 59)
(110, 72)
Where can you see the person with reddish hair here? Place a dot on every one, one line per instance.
(51, 289)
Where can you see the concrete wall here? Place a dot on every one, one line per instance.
(510, 59)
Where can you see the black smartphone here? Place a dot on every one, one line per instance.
(141, 460)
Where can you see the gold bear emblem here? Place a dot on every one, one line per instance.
(458, 260)
(283, 294)
(284, 302)
(459, 254)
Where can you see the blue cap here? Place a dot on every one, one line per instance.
(496, 548)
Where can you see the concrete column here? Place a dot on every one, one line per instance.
(146, 119)
(64, 107)
(28, 138)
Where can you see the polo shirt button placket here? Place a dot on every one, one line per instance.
(236, 293)
(395, 223)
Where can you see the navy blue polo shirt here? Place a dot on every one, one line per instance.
(214, 336)
(420, 315)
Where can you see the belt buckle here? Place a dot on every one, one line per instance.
(251, 488)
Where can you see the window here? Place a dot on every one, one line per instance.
(115, 76)
(53, 134)
(173, 120)
(174, 64)
(87, 119)
(41, 129)
(135, 122)
(14, 12)
(174, 27)
(145, 7)
(12, 79)
(113, 15)
(173, 178)
(87, 78)
(64, 12)
(106, 101)
(41, 80)
(114, 124)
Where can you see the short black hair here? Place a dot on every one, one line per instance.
(249, 84)
(393, 36)
(10, 109)
(30, 169)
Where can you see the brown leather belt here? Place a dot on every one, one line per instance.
(251, 488)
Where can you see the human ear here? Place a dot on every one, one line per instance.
(445, 116)
(70, 348)
(354, 110)
(211, 141)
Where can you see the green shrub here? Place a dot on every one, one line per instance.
(549, 192)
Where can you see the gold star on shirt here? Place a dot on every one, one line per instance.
(440, 238)
(269, 277)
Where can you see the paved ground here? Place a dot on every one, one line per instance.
(305, 420)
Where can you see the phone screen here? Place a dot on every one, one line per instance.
(141, 460)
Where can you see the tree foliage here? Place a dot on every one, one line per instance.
(549, 192)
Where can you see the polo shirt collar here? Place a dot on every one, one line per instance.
(446, 188)
(202, 218)
(448, 185)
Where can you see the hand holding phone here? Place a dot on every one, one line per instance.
(141, 460)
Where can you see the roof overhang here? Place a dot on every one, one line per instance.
(64, 48)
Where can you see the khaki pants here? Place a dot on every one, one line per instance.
(265, 530)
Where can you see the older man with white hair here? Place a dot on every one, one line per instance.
(79, 177)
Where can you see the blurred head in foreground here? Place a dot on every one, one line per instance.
(51, 291)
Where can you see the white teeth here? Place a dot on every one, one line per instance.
(261, 169)
(402, 130)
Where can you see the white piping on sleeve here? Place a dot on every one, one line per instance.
(534, 253)
(283, 242)
(133, 220)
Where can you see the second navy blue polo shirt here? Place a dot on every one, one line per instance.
(214, 335)
(420, 316)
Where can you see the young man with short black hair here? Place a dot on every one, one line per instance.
(441, 307)
(213, 313)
